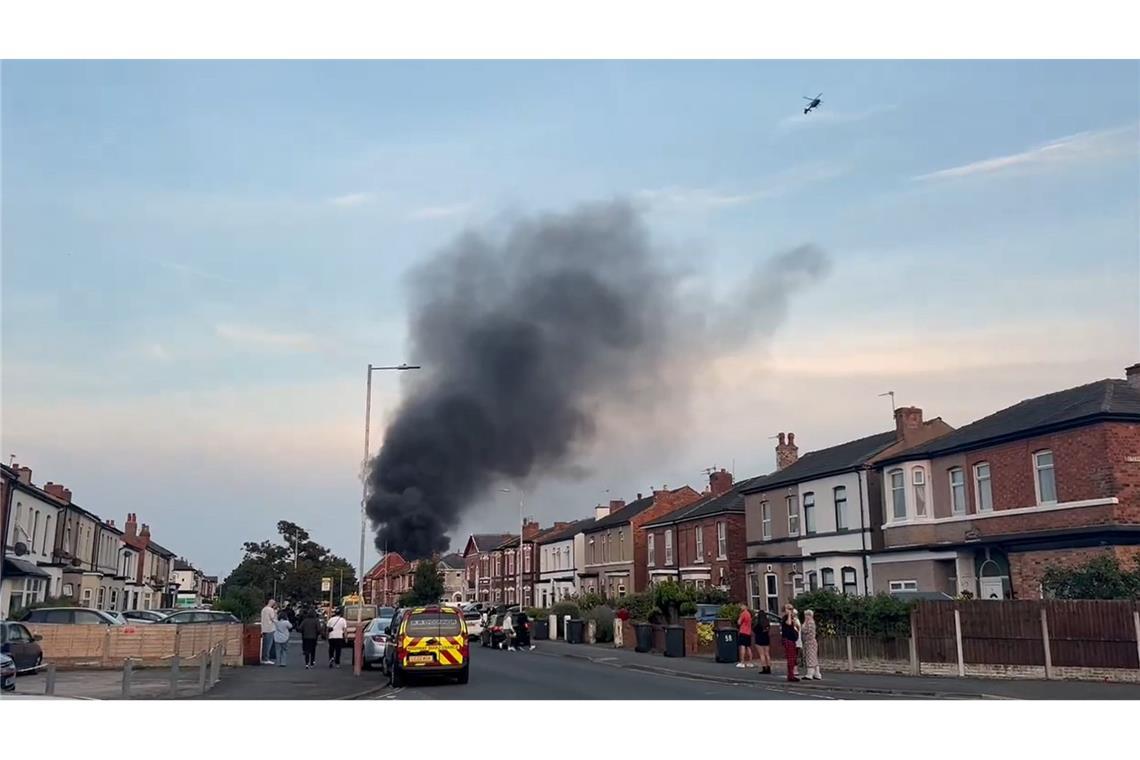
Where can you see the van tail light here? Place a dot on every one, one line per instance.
(464, 649)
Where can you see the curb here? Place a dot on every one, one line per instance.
(367, 692)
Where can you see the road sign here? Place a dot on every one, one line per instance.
(326, 584)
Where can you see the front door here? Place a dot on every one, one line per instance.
(991, 588)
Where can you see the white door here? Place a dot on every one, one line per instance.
(991, 588)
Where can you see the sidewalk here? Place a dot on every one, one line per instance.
(294, 682)
(149, 683)
(836, 683)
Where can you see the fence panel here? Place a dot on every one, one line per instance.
(150, 645)
(934, 623)
(1092, 634)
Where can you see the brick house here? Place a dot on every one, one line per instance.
(702, 544)
(378, 581)
(560, 559)
(813, 522)
(154, 565)
(616, 544)
(985, 509)
(477, 556)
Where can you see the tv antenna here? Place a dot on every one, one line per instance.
(892, 395)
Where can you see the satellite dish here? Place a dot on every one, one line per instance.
(76, 562)
(20, 549)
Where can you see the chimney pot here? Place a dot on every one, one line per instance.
(1132, 373)
(908, 421)
(639, 495)
(720, 482)
(24, 474)
(786, 451)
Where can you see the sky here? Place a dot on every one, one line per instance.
(200, 258)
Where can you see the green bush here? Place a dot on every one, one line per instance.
(590, 600)
(730, 612)
(839, 614)
(244, 603)
(537, 613)
(669, 595)
(688, 609)
(1101, 577)
(641, 607)
(710, 595)
(604, 617)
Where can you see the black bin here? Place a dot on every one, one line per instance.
(542, 629)
(575, 631)
(726, 650)
(675, 641)
(644, 637)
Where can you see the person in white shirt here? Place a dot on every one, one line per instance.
(336, 628)
(281, 640)
(268, 628)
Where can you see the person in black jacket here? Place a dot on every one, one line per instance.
(310, 632)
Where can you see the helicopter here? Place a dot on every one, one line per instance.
(814, 102)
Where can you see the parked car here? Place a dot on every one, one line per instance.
(143, 616)
(189, 617)
(375, 642)
(21, 645)
(367, 613)
(118, 616)
(67, 616)
(492, 634)
(431, 641)
(7, 673)
(390, 631)
(474, 620)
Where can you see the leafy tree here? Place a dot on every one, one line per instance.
(1102, 577)
(669, 596)
(427, 585)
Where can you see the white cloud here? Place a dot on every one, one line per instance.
(1082, 147)
(778, 184)
(176, 266)
(158, 351)
(441, 212)
(257, 337)
(823, 117)
(352, 199)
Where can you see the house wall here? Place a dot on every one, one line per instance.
(930, 574)
(32, 521)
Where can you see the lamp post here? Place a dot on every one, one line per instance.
(357, 640)
(518, 556)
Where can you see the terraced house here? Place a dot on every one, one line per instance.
(561, 556)
(986, 508)
(482, 564)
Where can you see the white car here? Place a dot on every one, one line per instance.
(474, 623)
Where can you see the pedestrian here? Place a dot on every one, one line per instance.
(291, 614)
(268, 628)
(509, 631)
(790, 634)
(336, 628)
(523, 632)
(811, 647)
(744, 637)
(310, 632)
(281, 640)
(761, 642)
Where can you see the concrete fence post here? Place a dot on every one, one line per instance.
(915, 665)
(554, 627)
(958, 641)
(1045, 642)
(850, 657)
(49, 682)
(618, 633)
(216, 664)
(203, 670)
(591, 631)
(1136, 622)
(175, 661)
(128, 673)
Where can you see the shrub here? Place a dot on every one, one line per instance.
(705, 633)
(730, 612)
(710, 595)
(537, 613)
(1101, 577)
(590, 600)
(669, 595)
(604, 617)
(839, 614)
(688, 609)
(561, 610)
(641, 607)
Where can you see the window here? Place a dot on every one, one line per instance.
(114, 599)
(722, 540)
(983, 490)
(593, 556)
(957, 491)
(793, 515)
(526, 559)
(809, 514)
(903, 585)
(754, 591)
(87, 594)
(35, 530)
(828, 576)
(765, 520)
(797, 584)
(813, 581)
(605, 547)
(621, 544)
(669, 547)
(1045, 480)
(24, 592)
(652, 551)
(772, 593)
(918, 479)
(68, 589)
(850, 581)
(898, 494)
(621, 591)
(102, 597)
(699, 540)
(840, 493)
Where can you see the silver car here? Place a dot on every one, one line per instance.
(375, 641)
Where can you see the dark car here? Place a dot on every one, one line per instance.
(188, 617)
(67, 616)
(389, 631)
(7, 673)
(493, 634)
(21, 645)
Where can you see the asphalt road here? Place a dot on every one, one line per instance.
(534, 675)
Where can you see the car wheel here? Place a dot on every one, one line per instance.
(465, 674)
(397, 677)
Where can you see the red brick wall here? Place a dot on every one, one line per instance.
(664, 502)
(1121, 444)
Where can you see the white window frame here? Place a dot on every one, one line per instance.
(699, 544)
(593, 552)
(989, 478)
(824, 573)
(918, 482)
(765, 520)
(621, 544)
(808, 524)
(669, 546)
(651, 547)
(840, 525)
(526, 560)
(86, 598)
(722, 540)
(895, 491)
(754, 590)
(772, 592)
(843, 575)
(789, 502)
(1038, 469)
(903, 585)
(955, 507)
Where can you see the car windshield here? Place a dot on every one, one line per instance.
(379, 624)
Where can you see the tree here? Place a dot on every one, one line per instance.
(1102, 577)
(427, 585)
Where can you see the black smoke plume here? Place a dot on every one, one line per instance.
(523, 341)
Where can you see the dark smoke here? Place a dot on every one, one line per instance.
(523, 340)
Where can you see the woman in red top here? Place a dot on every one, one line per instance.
(744, 638)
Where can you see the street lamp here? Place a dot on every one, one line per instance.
(518, 556)
(357, 642)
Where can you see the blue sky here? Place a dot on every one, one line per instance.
(200, 258)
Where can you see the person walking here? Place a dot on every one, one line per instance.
(268, 628)
(811, 647)
(336, 629)
(744, 637)
(790, 634)
(761, 642)
(523, 632)
(310, 631)
(509, 631)
(281, 640)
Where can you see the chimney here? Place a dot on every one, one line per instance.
(530, 530)
(145, 532)
(617, 505)
(23, 473)
(131, 526)
(58, 491)
(1132, 373)
(639, 495)
(111, 523)
(601, 511)
(908, 422)
(720, 482)
(786, 450)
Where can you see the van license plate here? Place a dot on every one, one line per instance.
(421, 658)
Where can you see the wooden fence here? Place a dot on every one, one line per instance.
(104, 646)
